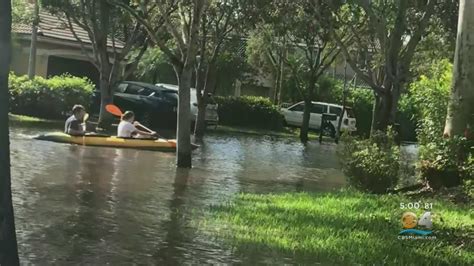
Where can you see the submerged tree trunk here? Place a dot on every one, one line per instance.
(306, 116)
(460, 115)
(8, 244)
(183, 131)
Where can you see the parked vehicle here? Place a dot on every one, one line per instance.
(294, 117)
(212, 117)
(154, 106)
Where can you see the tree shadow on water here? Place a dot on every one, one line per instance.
(171, 251)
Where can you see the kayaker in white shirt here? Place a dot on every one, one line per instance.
(127, 127)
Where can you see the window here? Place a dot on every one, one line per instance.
(146, 92)
(297, 108)
(122, 87)
(335, 110)
(319, 108)
(133, 89)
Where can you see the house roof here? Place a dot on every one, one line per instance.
(54, 27)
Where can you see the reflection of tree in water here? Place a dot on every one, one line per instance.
(92, 187)
(171, 251)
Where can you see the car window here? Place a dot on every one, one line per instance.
(146, 92)
(297, 108)
(122, 87)
(335, 110)
(319, 108)
(133, 89)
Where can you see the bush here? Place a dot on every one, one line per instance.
(249, 111)
(427, 101)
(48, 98)
(373, 164)
(446, 162)
(443, 162)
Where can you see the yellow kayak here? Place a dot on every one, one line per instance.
(112, 141)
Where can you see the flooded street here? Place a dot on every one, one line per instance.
(88, 205)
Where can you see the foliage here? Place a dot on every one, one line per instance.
(50, 98)
(362, 99)
(108, 28)
(372, 164)
(468, 171)
(380, 47)
(150, 66)
(230, 67)
(20, 12)
(446, 162)
(442, 161)
(342, 228)
(427, 101)
(249, 111)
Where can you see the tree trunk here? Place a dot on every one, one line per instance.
(209, 84)
(344, 98)
(274, 93)
(460, 115)
(381, 117)
(306, 116)
(183, 131)
(106, 97)
(8, 244)
(34, 38)
(200, 126)
(281, 79)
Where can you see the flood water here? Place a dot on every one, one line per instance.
(88, 205)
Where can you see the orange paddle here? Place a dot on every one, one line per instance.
(113, 109)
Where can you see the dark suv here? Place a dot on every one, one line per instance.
(154, 106)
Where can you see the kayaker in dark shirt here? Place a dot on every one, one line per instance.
(75, 123)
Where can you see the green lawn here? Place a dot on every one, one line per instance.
(26, 119)
(340, 228)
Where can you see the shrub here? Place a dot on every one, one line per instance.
(249, 111)
(427, 101)
(373, 164)
(48, 98)
(442, 161)
(445, 162)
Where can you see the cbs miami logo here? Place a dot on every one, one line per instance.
(414, 228)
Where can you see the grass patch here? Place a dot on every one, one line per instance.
(340, 228)
(29, 119)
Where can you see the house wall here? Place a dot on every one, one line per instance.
(21, 54)
(20, 59)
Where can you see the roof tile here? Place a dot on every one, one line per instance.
(55, 27)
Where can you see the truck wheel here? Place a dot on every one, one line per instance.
(329, 131)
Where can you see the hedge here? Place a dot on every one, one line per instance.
(48, 98)
(249, 111)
